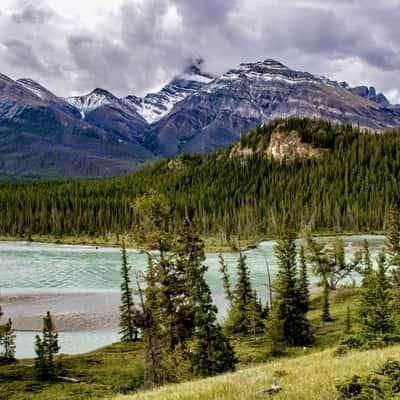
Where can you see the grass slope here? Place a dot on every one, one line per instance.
(113, 369)
(119, 368)
(309, 377)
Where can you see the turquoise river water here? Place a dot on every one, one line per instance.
(80, 286)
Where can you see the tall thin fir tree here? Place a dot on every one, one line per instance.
(212, 353)
(46, 349)
(8, 341)
(240, 314)
(304, 282)
(374, 309)
(392, 244)
(225, 279)
(1, 331)
(129, 331)
(154, 370)
(326, 314)
(289, 323)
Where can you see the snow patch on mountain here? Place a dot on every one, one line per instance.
(87, 103)
(36, 88)
(154, 106)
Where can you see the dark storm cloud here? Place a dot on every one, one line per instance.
(139, 44)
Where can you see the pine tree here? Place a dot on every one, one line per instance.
(288, 317)
(256, 315)
(46, 348)
(304, 282)
(129, 331)
(392, 239)
(8, 341)
(240, 314)
(392, 243)
(225, 280)
(154, 369)
(326, 315)
(374, 310)
(212, 352)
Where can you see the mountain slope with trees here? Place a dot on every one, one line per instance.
(348, 188)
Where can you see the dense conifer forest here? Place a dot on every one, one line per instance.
(348, 187)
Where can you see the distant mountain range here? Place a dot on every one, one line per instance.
(99, 134)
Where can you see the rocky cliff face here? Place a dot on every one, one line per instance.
(282, 146)
(99, 134)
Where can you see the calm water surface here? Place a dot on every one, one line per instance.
(36, 269)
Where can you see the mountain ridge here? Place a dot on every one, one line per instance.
(195, 112)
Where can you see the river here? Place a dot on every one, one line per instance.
(79, 285)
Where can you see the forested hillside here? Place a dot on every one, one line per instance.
(347, 185)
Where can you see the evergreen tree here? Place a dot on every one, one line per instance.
(179, 320)
(304, 282)
(241, 313)
(366, 257)
(256, 315)
(374, 310)
(326, 315)
(212, 352)
(46, 348)
(129, 331)
(288, 317)
(225, 279)
(392, 240)
(154, 369)
(7, 339)
(392, 243)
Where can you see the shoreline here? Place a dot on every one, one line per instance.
(92, 311)
(211, 244)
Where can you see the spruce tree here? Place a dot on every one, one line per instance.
(154, 369)
(392, 239)
(46, 348)
(304, 282)
(129, 331)
(212, 353)
(7, 339)
(225, 279)
(289, 322)
(326, 315)
(241, 312)
(392, 243)
(374, 310)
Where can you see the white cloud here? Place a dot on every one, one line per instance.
(132, 46)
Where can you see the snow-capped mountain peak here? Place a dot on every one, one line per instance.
(89, 102)
(155, 106)
(267, 70)
(36, 88)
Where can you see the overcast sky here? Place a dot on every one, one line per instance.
(135, 46)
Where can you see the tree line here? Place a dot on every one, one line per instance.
(348, 188)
